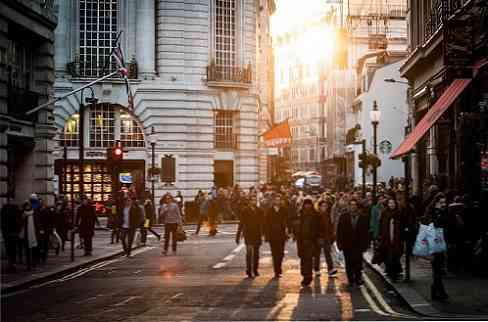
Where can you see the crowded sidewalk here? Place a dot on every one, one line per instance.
(468, 293)
(55, 264)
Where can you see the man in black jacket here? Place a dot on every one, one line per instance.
(130, 218)
(353, 240)
(251, 227)
(276, 233)
(307, 231)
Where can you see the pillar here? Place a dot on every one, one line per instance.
(145, 39)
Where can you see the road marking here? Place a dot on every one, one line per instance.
(227, 259)
(371, 303)
(127, 300)
(174, 297)
(381, 299)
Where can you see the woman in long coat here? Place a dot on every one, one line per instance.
(86, 218)
(390, 238)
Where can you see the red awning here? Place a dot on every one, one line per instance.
(278, 136)
(442, 104)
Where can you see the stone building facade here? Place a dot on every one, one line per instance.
(194, 71)
(26, 80)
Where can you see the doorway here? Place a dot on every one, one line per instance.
(224, 173)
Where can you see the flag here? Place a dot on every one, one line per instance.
(278, 136)
(119, 60)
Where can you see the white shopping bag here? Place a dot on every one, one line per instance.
(437, 243)
(421, 247)
(337, 255)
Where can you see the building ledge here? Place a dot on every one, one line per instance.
(422, 52)
(229, 84)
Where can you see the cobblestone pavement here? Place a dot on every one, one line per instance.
(204, 281)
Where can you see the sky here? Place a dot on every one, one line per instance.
(291, 14)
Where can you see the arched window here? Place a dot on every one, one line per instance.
(71, 131)
(106, 123)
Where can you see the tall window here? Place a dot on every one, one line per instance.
(71, 131)
(98, 31)
(130, 133)
(224, 135)
(225, 36)
(102, 126)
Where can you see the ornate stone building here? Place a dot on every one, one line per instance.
(193, 65)
(26, 80)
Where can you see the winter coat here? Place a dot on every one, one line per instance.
(11, 220)
(251, 225)
(136, 217)
(86, 219)
(374, 221)
(391, 228)
(172, 214)
(276, 225)
(28, 230)
(327, 229)
(349, 239)
(308, 226)
(149, 212)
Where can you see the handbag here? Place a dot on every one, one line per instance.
(437, 243)
(180, 234)
(421, 247)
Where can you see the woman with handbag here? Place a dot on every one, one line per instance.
(390, 238)
(436, 214)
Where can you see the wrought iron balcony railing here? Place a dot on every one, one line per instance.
(434, 20)
(86, 69)
(227, 142)
(20, 101)
(217, 73)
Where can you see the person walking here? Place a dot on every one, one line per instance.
(307, 229)
(62, 218)
(172, 218)
(130, 218)
(251, 227)
(353, 240)
(149, 220)
(86, 219)
(28, 234)
(390, 238)
(436, 214)
(203, 208)
(327, 238)
(11, 223)
(276, 229)
(213, 214)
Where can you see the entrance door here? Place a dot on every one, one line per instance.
(224, 173)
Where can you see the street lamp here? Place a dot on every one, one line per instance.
(375, 116)
(153, 138)
(81, 135)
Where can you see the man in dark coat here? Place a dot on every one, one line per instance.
(130, 218)
(251, 227)
(276, 228)
(353, 240)
(86, 219)
(307, 231)
(11, 222)
(327, 238)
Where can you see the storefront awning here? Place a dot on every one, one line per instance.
(278, 136)
(442, 104)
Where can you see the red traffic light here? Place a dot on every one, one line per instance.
(118, 151)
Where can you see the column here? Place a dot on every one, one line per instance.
(62, 36)
(3, 110)
(145, 39)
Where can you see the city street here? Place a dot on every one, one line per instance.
(204, 281)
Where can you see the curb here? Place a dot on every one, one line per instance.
(53, 274)
(421, 307)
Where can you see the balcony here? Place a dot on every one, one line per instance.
(433, 22)
(86, 69)
(223, 76)
(19, 101)
(227, 142)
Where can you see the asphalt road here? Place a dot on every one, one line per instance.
(204, 281)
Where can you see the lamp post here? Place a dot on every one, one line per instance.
(81, 135)
(375, 116)
(153, 139)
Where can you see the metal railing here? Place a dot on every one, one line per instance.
(433, 21)
(85, 69)
(217, 73)
(227, 142)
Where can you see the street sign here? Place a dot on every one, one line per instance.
(385, 147)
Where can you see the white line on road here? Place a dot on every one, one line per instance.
(127, 300)
(371, 303)
(226, 260)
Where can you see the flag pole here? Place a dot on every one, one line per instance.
(57, 99)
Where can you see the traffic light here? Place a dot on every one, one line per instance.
(115, 153)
